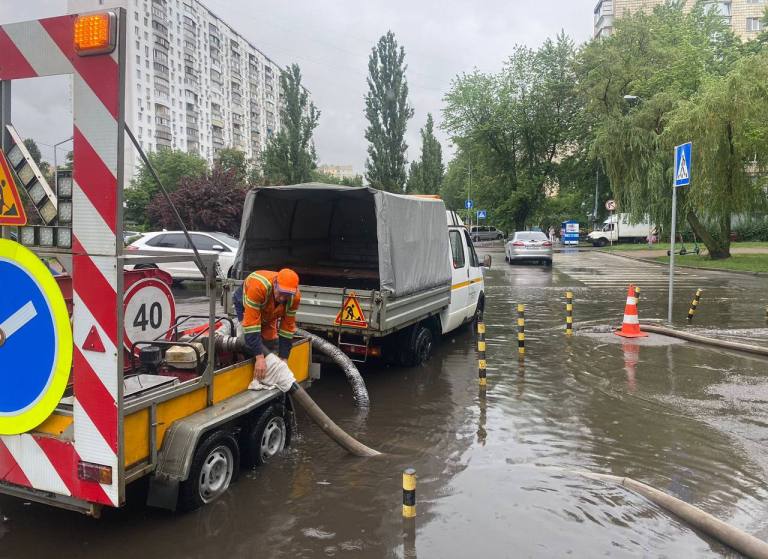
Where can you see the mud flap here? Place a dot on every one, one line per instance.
(163, 493)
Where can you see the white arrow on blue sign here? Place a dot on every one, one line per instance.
(683, 165)
(468, 204)
(481, 214)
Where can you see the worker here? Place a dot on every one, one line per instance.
(266, 306)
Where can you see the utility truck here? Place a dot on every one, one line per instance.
(382, 274)
(618, 228)
(101, 382)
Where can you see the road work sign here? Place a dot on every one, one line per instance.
(35, 340)
(11, 208)
(351, 314)
(683, 165)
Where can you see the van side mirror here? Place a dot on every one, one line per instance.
(487, 261)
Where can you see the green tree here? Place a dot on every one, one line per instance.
(661, 59)
(426, 175)
(517, 124)
(171, 166)
(234, 160)
(387, 111)
(290, 157)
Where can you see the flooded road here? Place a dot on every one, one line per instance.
(496, 468)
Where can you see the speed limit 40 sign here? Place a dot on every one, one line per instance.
(149, 311)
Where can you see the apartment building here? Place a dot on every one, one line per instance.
(744, 16)
(193, 82)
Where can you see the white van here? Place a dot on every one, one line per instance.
(619, 229)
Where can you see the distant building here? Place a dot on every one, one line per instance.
(744, 16)
(193, 82)
(338, 171)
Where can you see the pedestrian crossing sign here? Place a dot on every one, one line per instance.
(11, 209)
(682, 167)
(351, 314)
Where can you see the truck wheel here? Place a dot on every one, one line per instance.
(421, 350)
(214, 468)
(412, 346)
(601, 242)
(268, 436)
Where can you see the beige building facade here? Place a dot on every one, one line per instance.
(744, 16)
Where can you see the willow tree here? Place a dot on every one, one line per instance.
(636, 83)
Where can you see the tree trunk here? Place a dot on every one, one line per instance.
(718, 249)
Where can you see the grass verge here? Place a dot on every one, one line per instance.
(737, 262)
(688, 246)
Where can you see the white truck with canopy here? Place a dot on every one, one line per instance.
(619, 228)
(382, 274)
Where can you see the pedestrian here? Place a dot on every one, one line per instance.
(551, 234)
(266, 306)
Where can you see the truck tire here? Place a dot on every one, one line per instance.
(411, 347)
(267, 436)
(601, 242)
(215, 466)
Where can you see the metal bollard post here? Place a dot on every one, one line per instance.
(766, 314)
(694, 304)
(569, 313)
(521, 330)
(481, 364)
(409, 493)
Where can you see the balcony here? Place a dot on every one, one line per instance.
(164, 135)
(162, 70)
(162, 42)
(217, 121)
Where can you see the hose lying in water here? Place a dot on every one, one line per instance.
(739, 540)
(356, 382)
(736, 346)
(348, 443)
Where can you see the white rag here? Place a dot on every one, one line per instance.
(279, 375)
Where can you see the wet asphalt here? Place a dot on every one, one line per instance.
(498, 469)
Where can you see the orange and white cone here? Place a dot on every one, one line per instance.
(630, 327)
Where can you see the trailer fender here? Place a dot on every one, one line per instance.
(175, 457)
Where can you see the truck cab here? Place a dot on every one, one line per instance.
(467, 284)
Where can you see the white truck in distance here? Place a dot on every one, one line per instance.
(619, 229)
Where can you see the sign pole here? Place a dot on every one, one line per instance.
(672, 253)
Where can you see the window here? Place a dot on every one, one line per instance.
(204, 242)
(171, 240)
(754, 24)
(457, 249)
(474, 261)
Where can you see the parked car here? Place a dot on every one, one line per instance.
(530, 246)
(485, 233)
(164, 243)
(130, 236)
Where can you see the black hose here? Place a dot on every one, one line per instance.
(356, 382)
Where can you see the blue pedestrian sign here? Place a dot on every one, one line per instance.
(35, 340)
(481, 214)
(468, 204)
(682, 168)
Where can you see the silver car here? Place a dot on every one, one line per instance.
(529, 245)
(485, 233)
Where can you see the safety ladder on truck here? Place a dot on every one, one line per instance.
(340, 343)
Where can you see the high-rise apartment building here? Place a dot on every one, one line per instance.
(193, 82)
(744, 16)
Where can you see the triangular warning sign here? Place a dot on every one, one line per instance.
(93, 341)
(351, 314)
(11, 209)
(682, 168)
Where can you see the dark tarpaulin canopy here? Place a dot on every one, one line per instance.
(404, 238)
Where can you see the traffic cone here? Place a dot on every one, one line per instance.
(630, 328)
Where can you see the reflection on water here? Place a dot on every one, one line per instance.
(497, 467)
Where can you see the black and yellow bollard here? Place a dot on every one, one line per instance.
(569, 313)
(409, 493)
(521, 331)
(694, 304)
(481, 364)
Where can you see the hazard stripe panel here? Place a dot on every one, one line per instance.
(13, 65)
(43, 48)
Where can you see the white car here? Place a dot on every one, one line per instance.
(164, 243)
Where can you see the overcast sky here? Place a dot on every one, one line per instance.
(331, 41)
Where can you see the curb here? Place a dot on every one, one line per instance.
(651, 261)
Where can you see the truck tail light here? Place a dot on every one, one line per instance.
(87, 471)
(95, 33)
